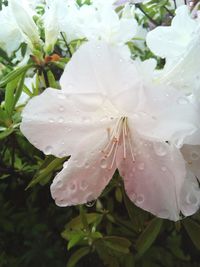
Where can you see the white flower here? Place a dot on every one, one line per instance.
(106, 117)
(54, 12)
(22, 15)
(10, 34)
(99, 21)
(179, 44)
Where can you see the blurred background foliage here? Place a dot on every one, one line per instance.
(109, 232)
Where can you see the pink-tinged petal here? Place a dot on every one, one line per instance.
(101, 69)
(55, 122)
(86, 174)
(190, 195)
(191, 155)
(166, 114)
(155, 181)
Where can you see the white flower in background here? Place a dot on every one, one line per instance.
(10, 34)
(23, 17)
(52, 15)
(179, 45)
(107, 117)
(98, 21)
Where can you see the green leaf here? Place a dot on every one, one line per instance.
(10, 96)
(80, 253)
(193, 230)
(77, 224)
(19, 88)
(78, 236)
(14, 74)
(149, 235)
(52, 166)
(6, 133)
(51, 79)
(119, 244)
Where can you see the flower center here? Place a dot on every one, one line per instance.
(120, 135)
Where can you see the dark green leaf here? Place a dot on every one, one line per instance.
(80, 253)
(193, 230)
(149, 235)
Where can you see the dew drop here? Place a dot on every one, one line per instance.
(103, 163)
(87, 165)
(61, 108)
(48, 150)
(61, 120)
(86, 119)
(140, 199)
(191, 199)
(51, 120)
(72, 187)
(90, 204)
(61, 96)
(194, 156)
(183, 101)
(163, 168)
(160, 149)
(83, 185)
(163, 214)
(141, 166)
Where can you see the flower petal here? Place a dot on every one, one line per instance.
(56, 121)
(104, 71)
(156, 180)
(166, 114)
(191, 154)
(86, 174)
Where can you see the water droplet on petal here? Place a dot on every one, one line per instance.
(83, 185)
(192, 199)
(103, 163)
(139, 199)
(183, 101)
(61, 120)
(61, 95)
(163, 214)
(48, 150)
(163, 168)
(160, 149)
(141, 166)
(87, 165)
(61, 108)
(195, 155)
(72, 187)
(90, 204)
(86, 119)
(51, 120)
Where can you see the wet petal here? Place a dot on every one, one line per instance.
(55, 121)
(86, 174)
(168, 115)
(155, 181)
(191, 154)
(105, 71)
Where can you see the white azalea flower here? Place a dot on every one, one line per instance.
(53, 11)
(23, 18)
(179, 44)
(10, 34)
(108, 117)
(99, 21)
